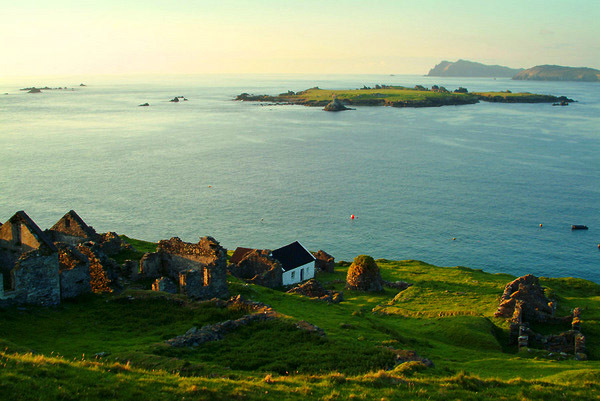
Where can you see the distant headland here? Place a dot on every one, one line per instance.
(465, 68)
(559, 73)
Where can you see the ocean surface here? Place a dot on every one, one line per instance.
(457, 185)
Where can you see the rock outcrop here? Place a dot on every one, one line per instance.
(364, 275)
(335, 105)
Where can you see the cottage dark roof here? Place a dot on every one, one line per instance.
(292, 256)
(24, 219)
(239, 254)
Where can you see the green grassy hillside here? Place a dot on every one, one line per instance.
(447, 316)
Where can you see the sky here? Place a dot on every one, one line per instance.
(53, 37)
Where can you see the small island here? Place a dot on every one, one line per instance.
(398, 96)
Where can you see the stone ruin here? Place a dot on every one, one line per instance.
(72, 230)
(324, 262)
(534, 304)
(257, 312)
(524, 302)
(43, 267)
(29, 264)
(258, 267)
(313, 289)
(364, 275)
(199, 269)
(74, 268)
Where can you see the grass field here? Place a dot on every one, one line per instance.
(446, 316)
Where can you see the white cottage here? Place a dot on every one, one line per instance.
(297, 262)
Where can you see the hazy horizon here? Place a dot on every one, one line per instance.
(65, 37)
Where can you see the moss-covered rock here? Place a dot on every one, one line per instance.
(364, 275)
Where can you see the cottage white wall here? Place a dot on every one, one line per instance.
(309, 272)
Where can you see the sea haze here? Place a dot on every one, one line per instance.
(262, 176)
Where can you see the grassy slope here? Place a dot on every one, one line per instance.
(447, 316)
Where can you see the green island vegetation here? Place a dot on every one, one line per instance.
(112, 346)
(399, 96)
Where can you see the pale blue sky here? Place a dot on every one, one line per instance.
(267, 36)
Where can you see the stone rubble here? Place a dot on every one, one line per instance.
(314, 290)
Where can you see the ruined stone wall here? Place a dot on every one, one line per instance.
(36, 279)
(99, 277)
(57, 236)
(74, 272)
(260, 268)
(28, 241)
(15, 236)
(202, 284)
(205, 252)
(69, 227)
(200, 269)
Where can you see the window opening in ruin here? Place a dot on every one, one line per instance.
(67, 223)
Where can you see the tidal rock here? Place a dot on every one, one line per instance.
(335, 105)
(144, 104)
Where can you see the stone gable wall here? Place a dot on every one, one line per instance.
(36, 280)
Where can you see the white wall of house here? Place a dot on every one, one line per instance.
(301, 273)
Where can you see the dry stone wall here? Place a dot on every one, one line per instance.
(35, 280)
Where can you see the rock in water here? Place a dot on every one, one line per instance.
(144, 104)
(335, 105)
(364, 275)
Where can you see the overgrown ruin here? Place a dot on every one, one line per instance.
(524, 303)
(257, 266)
(29, 264)
(43, 267)
(199, 269)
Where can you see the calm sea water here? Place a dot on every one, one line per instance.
(263, 176)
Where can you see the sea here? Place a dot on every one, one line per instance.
(487, 186)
